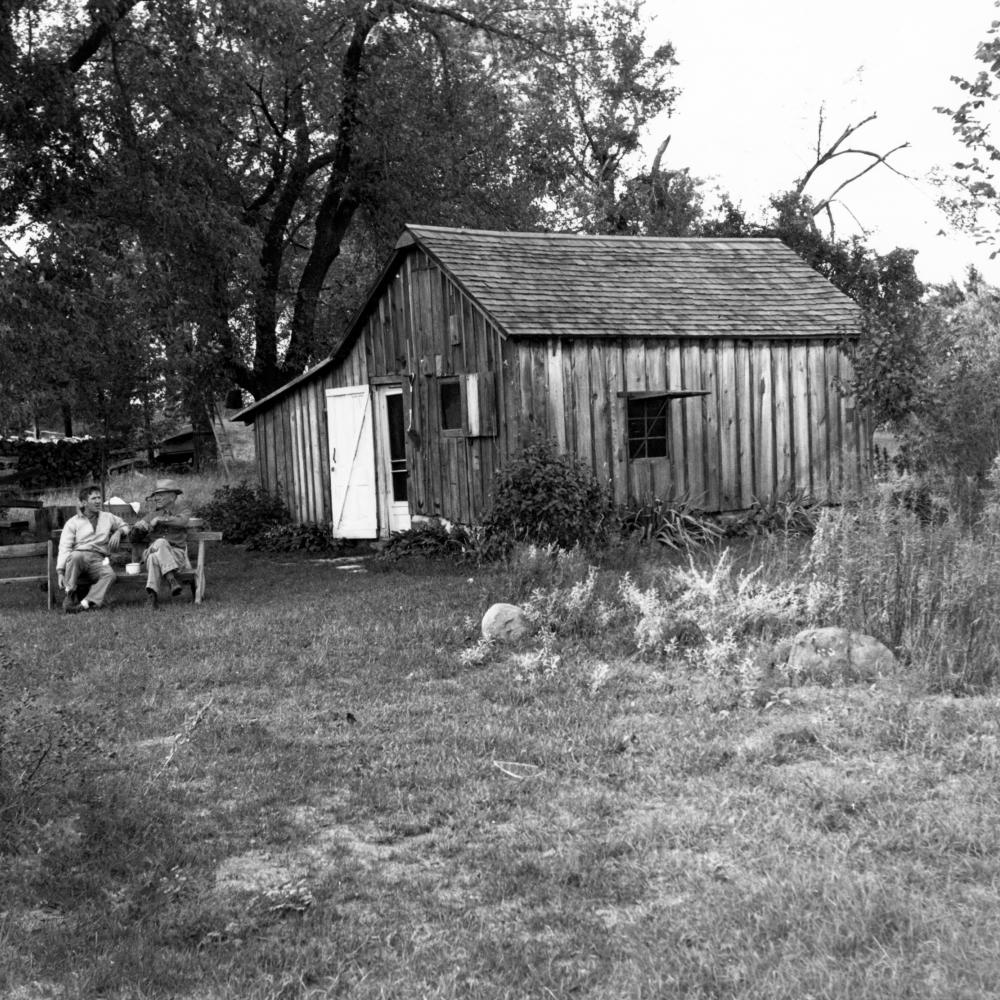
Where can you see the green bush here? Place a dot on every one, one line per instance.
(242, 512)
(546, 498)
(296, 538)
(430, 540)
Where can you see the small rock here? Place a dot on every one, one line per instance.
(505, 622)
(831, 655)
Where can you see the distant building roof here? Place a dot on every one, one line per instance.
(183, 436)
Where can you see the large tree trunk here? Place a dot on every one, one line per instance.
(332, 221)
(203, 441)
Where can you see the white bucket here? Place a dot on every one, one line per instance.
(132, 569)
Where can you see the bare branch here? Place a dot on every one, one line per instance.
(654, 170)
(877, 159)
(881, 157)
(837, 149)
(864, 229)
(820, 122)
(6, 246)
(831, 153)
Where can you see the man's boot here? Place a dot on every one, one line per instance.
(152, 602)
(175, 584)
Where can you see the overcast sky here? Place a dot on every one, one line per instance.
(754, 74)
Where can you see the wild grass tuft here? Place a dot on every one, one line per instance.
(927, 588)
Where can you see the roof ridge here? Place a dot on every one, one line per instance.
(623, 237)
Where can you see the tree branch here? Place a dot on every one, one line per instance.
(129, 132)
(654, 170)
(340, 200)
(320, 161)
(877, 157)
(829, 216)
(6, 246)
(835, 150)
(87, 49)
(258, 92)
(822, 157)
(273, 245)
(468, 20)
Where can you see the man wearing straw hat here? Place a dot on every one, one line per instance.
(166, 534)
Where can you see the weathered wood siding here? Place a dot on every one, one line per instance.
(420, 329)
(293, 445)
(773, 419)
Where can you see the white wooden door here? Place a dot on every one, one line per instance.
(352, 462)
(390, 422)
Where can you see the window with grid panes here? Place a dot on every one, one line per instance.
(647, 426)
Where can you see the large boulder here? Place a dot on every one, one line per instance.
(831, 655)
(505, 623)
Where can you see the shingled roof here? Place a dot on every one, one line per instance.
(560, 284)
(568, 285)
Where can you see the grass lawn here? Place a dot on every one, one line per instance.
(300, 790)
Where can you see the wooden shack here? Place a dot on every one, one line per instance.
(708, 369)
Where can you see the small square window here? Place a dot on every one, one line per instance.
(648, 427)
(451, 404)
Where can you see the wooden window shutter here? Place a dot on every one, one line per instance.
(480, 404)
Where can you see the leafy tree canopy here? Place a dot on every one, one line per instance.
(953, 425)
(255, 161)
(974, 121)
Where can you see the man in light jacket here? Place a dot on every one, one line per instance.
(85, 547)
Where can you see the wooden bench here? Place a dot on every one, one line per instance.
(194, 577)
(33, 550)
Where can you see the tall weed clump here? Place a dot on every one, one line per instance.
(546, 498)
(528, 568)
(716, 598)
(709, 623)
(926, 587)
(676, 524)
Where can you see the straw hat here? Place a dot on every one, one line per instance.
(165, 486)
